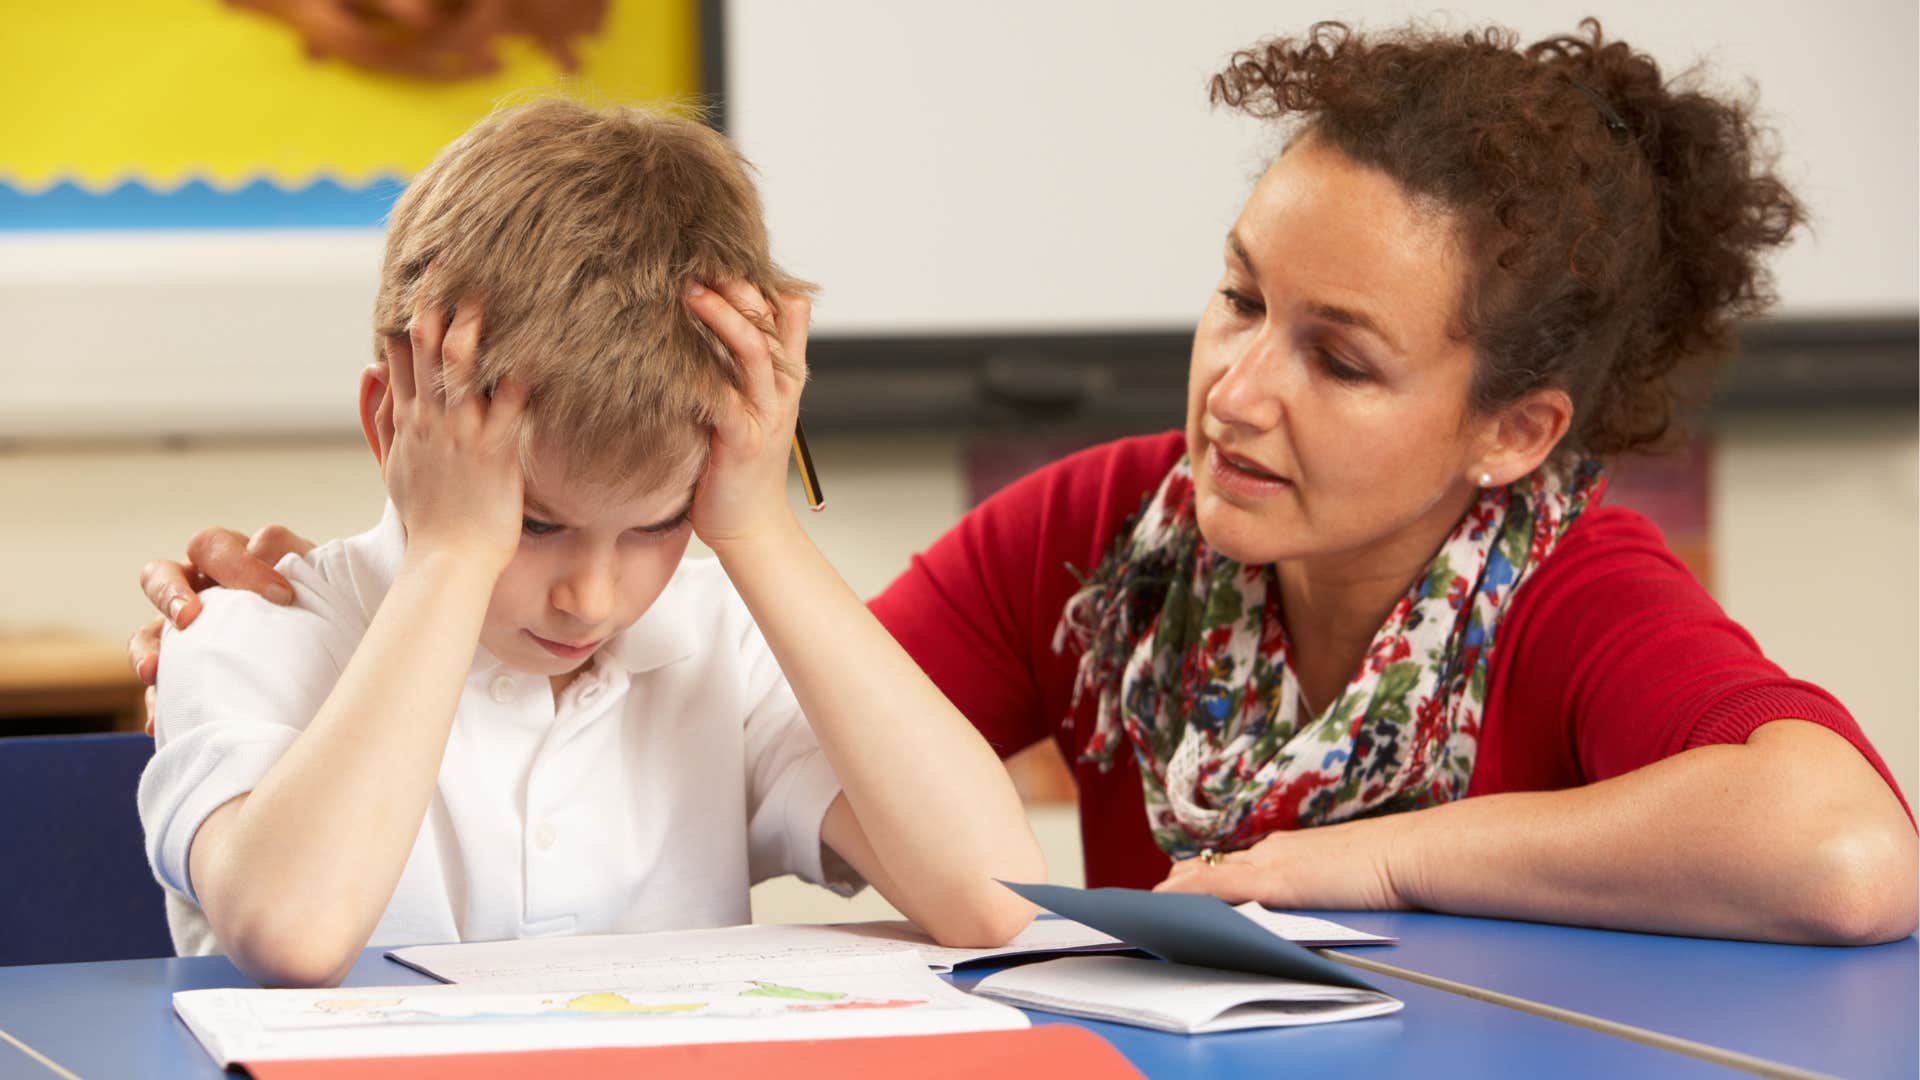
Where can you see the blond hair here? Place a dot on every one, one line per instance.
(578, 229)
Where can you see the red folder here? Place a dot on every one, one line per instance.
(1060, 1050)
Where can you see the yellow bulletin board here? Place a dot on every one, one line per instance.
(191, 202)
(97, 96)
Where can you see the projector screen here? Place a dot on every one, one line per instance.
(1022, 167)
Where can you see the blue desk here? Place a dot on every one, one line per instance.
(1848, 1012)
(115, 1019)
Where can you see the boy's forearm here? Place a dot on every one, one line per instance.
(931, 796)
(317, 847)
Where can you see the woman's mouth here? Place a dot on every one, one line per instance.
(563, 650)
(1241, 476)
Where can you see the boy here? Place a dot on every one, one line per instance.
(510, 709)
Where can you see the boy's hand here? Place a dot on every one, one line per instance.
(453, 467)
(744, 491)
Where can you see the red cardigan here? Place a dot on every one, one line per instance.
(1611, 657)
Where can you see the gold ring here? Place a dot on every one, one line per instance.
(1209, 856)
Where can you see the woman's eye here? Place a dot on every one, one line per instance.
(533, 527)
(1242, 304)
(1340, 369)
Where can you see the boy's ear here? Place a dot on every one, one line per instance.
(376, 411)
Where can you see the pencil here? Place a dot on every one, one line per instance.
(809, 479)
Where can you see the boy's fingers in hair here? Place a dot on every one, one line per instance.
(424, 338)
(796, 316)
(398, 349)
(750, 304)
(167, 588)
(458, 349)
(222, 555)
(509, 404)
(747, 343)
(152, 702)
(143, 651)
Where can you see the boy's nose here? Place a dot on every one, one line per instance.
(587, 594)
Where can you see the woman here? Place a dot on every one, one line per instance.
(1364, 628)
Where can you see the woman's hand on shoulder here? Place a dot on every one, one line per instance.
(1344, 867)
(215, 556)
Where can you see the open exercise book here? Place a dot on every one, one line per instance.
(1218, 968)
(695, 1002)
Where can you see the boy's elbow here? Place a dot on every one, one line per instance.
(1005, 923)
(1861, 887)
(994, 917)
(277, 954)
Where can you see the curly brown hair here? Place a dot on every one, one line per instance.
(1615, 221)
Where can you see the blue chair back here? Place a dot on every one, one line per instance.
(74, 882)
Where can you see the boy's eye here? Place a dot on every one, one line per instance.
(535, 527)
(669, 528)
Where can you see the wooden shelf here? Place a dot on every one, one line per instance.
(53, 676)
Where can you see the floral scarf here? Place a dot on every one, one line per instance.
(1186, 651)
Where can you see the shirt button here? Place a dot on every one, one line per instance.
(543, 836)
(502, 688)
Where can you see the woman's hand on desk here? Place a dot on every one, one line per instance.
(215, 556)
(1342, 867)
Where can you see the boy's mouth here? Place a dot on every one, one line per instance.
(562, 650)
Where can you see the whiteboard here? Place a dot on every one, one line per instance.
(1004, 166)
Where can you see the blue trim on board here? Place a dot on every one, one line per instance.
(199, 205)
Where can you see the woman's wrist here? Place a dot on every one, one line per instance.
(1403, 858)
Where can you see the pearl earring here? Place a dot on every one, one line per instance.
(1486, 479)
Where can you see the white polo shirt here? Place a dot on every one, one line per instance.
(673, 774)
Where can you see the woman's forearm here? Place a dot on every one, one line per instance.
(1790, 837)
(296, 878)
(930, 795)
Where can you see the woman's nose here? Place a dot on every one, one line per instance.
(1249, 392)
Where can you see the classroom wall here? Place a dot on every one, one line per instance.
(1836, 606)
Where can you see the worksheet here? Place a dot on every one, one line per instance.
(709, 1002)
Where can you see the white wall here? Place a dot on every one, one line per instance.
(1011, 164)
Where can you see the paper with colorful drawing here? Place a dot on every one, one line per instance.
(888, 994)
